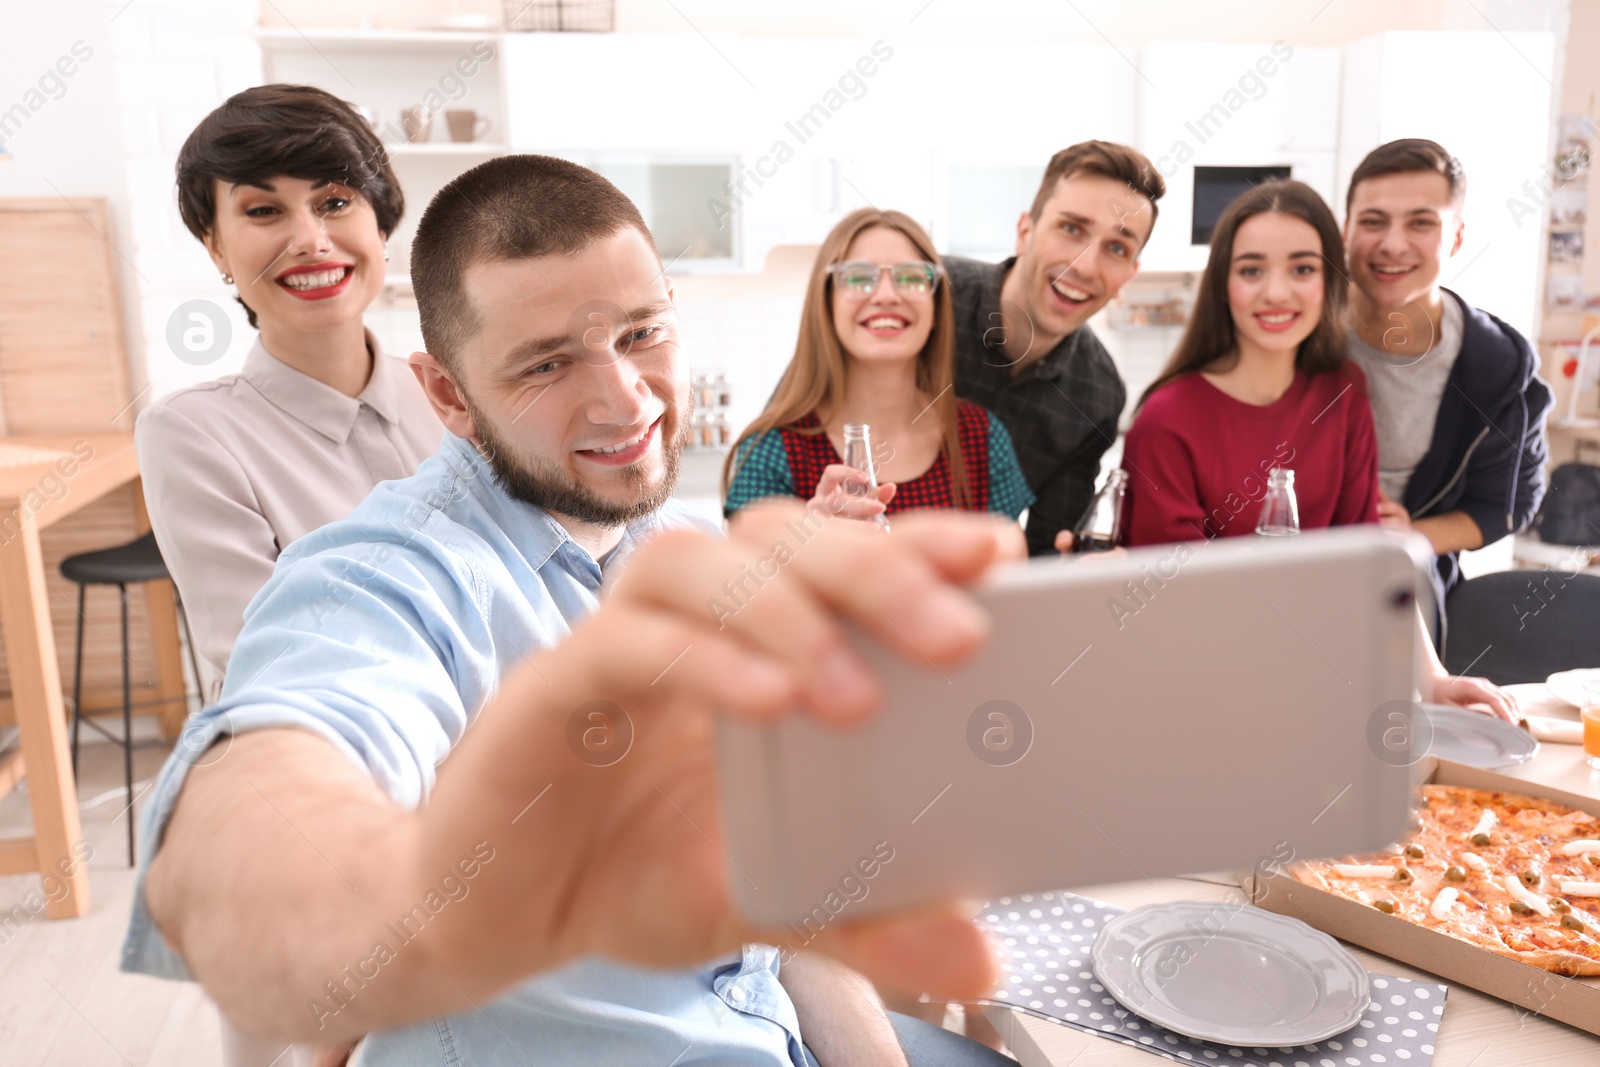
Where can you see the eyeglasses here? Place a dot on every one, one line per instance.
(862, 278)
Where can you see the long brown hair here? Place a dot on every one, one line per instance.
(1210, 334)
(814, 380)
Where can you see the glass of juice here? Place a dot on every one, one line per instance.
(1591, 726)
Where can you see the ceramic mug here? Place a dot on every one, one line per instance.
(418, 124)
(467, 125)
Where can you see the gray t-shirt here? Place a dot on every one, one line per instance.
(1405, 393)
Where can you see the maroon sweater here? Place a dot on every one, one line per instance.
(1197, 459)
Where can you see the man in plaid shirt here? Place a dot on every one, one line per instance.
(1023, 346)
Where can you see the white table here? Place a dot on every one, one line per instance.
(1477, 1030)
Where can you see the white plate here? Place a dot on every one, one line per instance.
(1569, 685)
(1230, 973)
(1476, 739)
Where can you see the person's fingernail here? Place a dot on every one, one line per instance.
(947, 619)
(764, 679)
(842, 679)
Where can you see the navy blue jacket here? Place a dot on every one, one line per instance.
(1489, 449)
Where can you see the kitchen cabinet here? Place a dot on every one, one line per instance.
(1206, 104)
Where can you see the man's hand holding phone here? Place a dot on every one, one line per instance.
(620, 853)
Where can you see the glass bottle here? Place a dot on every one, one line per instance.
(723, 393)
(858, 454)
(1280, 512)
(1101, 525)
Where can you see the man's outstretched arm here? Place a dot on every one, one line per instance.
(280, 868)
(285, 877)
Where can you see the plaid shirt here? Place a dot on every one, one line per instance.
(1061, 412)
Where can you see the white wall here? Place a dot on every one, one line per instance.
(156, 68)
(1486, 98)
(65, 139)
(1127, 25)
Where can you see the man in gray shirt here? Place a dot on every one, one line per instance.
(1405, 391)
(1457, 400)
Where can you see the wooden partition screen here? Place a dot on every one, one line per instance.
(64, 369)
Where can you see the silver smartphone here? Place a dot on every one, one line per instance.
(1186, 708)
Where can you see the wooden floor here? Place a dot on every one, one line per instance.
(63, 1003)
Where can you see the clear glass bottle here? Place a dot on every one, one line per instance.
(723, 393)
(858, 454)
(1101, 525)
(1280, 512)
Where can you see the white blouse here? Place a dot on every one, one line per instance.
(236, 469)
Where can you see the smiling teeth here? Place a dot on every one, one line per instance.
(1069, 292)
(1390, 270)
(1275, 319)
(320, 280)
(624, 446)
(884, 324)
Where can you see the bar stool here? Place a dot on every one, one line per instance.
(137, 561)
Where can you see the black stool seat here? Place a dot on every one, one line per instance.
(124, 565)
(136, 561)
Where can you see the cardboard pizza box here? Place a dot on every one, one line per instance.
(1570, 1000)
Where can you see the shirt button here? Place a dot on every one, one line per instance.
(736, 994)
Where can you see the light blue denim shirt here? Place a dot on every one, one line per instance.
(386, 633)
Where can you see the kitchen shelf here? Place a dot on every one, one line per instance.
(292, 38)
(447, 148)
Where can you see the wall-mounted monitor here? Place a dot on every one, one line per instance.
(1217, 187)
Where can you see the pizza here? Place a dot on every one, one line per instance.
(1513, 874)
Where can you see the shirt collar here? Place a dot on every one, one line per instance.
(533, 531)
(988, 311)
(318, 405)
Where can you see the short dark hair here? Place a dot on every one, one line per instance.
(1407, 155)
(512, 207)
(294, 131)
(1103, 159)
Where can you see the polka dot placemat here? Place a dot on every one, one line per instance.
(1046, 939)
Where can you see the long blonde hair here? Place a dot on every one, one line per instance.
(814, 380)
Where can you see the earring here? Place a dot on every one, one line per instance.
(227, 278)
(386, 255)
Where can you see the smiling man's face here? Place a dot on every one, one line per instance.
(1080, 251)
(575, 384)
(1401, 229)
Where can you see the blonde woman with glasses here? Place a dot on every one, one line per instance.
(876, 346)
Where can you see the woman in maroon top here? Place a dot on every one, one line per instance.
(1260, 380)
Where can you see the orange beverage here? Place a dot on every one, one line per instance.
(1591, 734)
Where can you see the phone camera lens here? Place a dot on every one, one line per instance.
(1401, 599)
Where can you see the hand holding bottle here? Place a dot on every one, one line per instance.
(1066, 543)
(1100, 528)
(834, 493)
(858, 459)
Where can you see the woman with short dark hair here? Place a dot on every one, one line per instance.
(291, 194)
